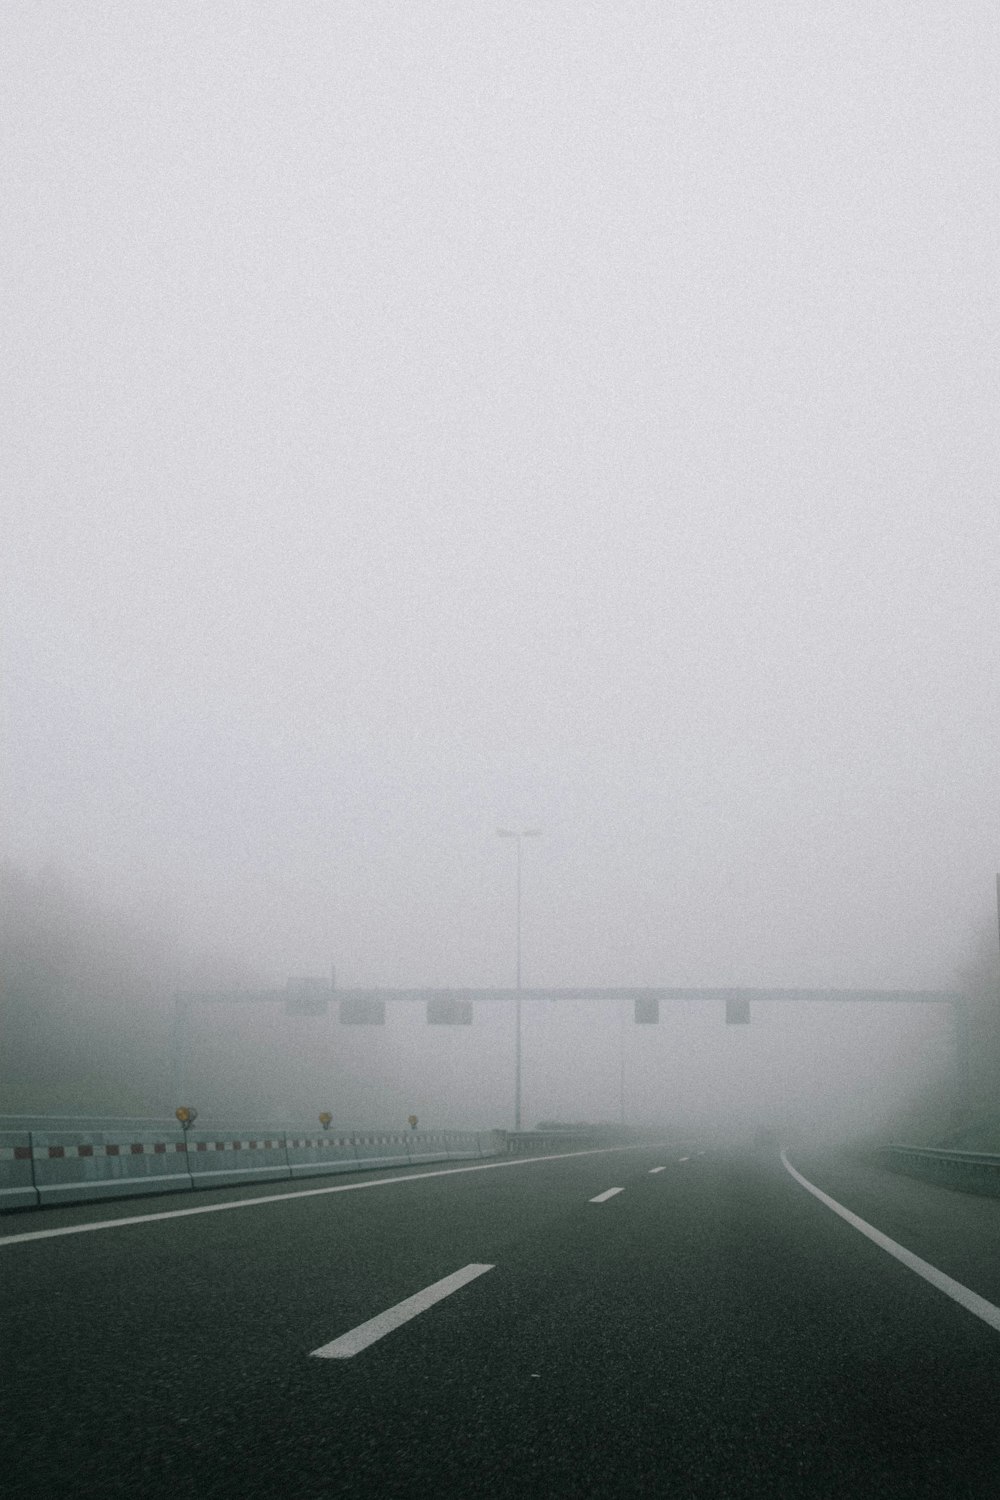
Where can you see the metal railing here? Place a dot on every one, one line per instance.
(969, 1171)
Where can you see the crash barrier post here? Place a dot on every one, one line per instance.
(17, 1174)
(75, 1166)
(222, 1158)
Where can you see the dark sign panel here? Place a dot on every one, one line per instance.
(647, 1011)
(737, 1012)
(307, 997)
(362, 1012)
(444, 1011)
(306, 1005)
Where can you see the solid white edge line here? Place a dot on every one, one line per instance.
(603, 1197)
(656, 1169)
(340, 1187)
(349, 1344)
(971, 1301)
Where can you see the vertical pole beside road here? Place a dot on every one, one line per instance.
(517, 1044)
(963, 1071)
(517, 836)
(178, 1040)
(622, 1005)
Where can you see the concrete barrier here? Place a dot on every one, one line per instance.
(73, 1166)
(310, 1155)
(105, 1159)
(462, 1145)
(17, 1177)
(224, 1158)
(528, 1142)
(380, 1150)
(425, 1146)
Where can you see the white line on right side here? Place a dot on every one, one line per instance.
(603, 1197)
(971, 1301)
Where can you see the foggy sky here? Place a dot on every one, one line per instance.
(423, 418)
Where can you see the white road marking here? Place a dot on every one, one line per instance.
(656, 1169)
(340, 1187)
(603, 1197)
(684, 1158)
(971, 1301)
(376, 1328)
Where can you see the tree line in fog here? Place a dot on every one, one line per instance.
(86, 997)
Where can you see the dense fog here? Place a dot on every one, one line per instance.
(427, 419)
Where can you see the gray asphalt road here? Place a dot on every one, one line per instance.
(711, 1330)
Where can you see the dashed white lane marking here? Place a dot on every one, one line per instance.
(971, 1301)
(603, 1197)
(341, 1187)
(656, 1169)
(684, 1158)
(376, 1328)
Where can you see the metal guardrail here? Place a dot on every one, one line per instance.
(968, 1171)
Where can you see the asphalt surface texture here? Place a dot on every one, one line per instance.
(711, 1330)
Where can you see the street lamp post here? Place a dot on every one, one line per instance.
(622, 1028)
(518, 835)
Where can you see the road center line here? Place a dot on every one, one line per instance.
(971, 1301)
(376, 1328)
(656, 1169)
(340, 1187)
(603, 1197)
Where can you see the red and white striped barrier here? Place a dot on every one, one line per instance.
(377, 1150)
(427, 1145)
(17, 1178)
(462, 1145)
(65, 1166)
(73, 1166)
(312, 1155)
(220, 1159)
